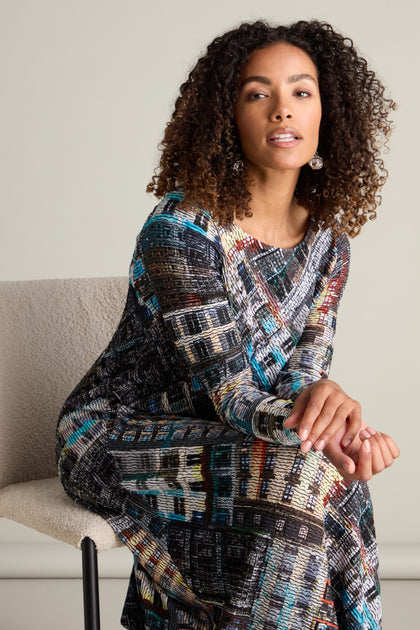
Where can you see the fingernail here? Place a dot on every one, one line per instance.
(319, 445)
(306, 446)
(346, 443)
(304, 434)
(367, 446)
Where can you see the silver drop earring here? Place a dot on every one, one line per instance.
(238, 166)
(316, 162)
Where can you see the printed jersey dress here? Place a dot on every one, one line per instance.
(175, 436)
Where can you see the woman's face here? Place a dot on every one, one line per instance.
(278, 111)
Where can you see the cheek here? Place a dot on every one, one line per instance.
(248, 121)
(247, 138)
(314, 122)
(245, 126)
(318, 116)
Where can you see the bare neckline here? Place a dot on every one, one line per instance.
(247, 235)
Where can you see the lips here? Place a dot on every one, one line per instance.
(288, 134)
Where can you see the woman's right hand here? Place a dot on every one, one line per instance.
(319, 414)
(370, 453)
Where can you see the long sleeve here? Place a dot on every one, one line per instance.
(312, 356)
(177, 275)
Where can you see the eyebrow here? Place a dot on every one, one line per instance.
(294, 78)
(299, 77)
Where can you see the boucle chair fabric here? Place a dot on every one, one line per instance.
(51, 331)
(43, 505)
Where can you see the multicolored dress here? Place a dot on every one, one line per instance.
(175, 436)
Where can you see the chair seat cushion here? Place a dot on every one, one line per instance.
(43, 505)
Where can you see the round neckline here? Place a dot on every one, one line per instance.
(263, 245)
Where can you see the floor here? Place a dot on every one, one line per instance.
(51, 604)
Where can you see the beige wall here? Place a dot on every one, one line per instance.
(86, 88)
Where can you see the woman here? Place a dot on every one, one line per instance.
(208, 433)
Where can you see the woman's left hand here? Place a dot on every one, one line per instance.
(370, 453)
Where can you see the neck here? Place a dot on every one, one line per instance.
(277, 219)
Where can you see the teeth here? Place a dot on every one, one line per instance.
(288, 137)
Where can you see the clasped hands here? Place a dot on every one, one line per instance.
(328, 420)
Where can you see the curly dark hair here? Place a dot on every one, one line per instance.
(201, 143)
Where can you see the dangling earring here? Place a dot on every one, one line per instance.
(234, 155)
(316, 162)
(238, 166)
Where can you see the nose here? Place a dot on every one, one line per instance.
(280, 117)
(281, 111)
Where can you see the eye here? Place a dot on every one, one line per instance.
(302, 93)
(256, 96)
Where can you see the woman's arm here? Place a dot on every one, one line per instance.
(311, 359)
(324, 415)
(177, 274)
(321, 407)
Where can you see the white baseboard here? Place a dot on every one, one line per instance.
(58, 560)
(399, 561)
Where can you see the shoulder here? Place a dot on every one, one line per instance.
(342, 255)
(330, 259)
(343, 246)
(171, 224)
(329, 251)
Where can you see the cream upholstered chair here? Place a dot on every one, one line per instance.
(51, 331)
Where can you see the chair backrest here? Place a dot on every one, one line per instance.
(51, 331)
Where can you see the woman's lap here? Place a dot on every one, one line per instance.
(213, 515)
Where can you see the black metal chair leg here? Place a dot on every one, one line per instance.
(90, 584)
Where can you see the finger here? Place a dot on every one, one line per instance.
(347, 415)
(345, 466)
(378, 455)
(363, 470)
(342, 462)
(298, 411)
(294, 418)
(292, 421)
(309, 417)
(395, 451)
(348, 466)
(354, 422)
(366, 433)
(327, 425)
(386, 454)
(320, 410)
